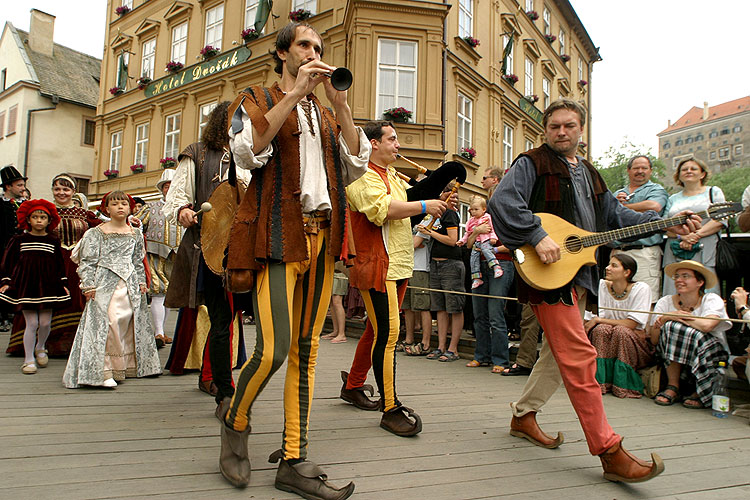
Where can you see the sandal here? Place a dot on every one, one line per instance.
(670, 400)
(448, 356)
(693, 403)
(435, 354)
(475, 364)
(515, 370)
(417, 349)
(401, 345)
(498, 369)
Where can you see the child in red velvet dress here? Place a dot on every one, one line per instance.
(33, 277)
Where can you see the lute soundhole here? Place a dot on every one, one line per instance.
(573, 244)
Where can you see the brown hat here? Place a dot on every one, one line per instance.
(708, 275)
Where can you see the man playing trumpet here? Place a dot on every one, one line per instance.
(288, 231)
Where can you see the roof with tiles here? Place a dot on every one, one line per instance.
(695, 115)
(71, 75)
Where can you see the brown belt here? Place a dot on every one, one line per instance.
(315, 221)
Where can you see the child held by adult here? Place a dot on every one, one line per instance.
(484, 244)
(115, 338)
(33, 278)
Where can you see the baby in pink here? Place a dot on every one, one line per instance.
(484, 243)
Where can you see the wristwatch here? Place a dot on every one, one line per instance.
(741, 310)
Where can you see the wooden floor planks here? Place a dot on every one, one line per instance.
(157, 439)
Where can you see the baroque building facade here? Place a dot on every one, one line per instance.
(421, 56)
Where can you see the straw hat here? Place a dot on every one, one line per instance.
(708, 275)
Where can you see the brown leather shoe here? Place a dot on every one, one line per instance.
(526, 427)
(222, 409)
(307, 479)
(357, 395)
(399, 421)
(234, 462)
(620, 465)
(208, 387)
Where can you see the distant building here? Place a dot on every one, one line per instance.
(719, 135)
(48, 96)
(419, 55)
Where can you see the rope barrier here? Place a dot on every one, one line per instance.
(438, 290)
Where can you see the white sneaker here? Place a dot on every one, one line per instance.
(109, 383)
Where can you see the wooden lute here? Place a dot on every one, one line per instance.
(578, 247)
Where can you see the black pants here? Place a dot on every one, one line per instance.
(219, 340)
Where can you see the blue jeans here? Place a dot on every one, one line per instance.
(489, 317)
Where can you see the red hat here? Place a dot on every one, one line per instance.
(103, 204)
(27, 207)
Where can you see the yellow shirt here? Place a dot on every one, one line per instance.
(369, 195)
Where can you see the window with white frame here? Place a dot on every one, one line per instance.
(179, 43)
(127, 3)
(397, 75)
(507, 146)
(547, 97)
(311, 5)
(580, 68)
(214, 26)
(115, 150)
(509, 65)
(465, 18)
(738, 150)
(463, 216)
(561, 39)
(121, 80)
(2, 124)
(147, 58)
(723, 152)
(12, 117)
(141, 144)
(529, 5)
(205, 112)
(465, 106)
(172, 136)
(547, 18)
(529, 145)
(528, 86)
(251, 10)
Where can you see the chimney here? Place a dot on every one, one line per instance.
(41, 31)
(669, 123)
(705, 110)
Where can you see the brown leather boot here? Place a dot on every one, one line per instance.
(357, 396)
(234, 462)
(398, 421)
(307, 479)
(620, 465)
(527, 428)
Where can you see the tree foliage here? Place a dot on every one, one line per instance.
(613, 164)
(732, 181)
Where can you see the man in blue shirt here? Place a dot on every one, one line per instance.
(640, 195)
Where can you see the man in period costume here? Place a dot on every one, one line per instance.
(14, 187)
(288, 231)
(553, 179)
(162, 240)
(202, 167)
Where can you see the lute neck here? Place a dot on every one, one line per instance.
(604, 237)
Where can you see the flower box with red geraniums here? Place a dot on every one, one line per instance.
(168, 162)
(468, 153)
(122, 10)
(137, 168)
(510, 78)
(249, 34)
(582, 83)
(532, 98)
(173, 66)
(111, 174)
(582, 145)
(533, 15)
(143, 82)
(565, 57)
(299, 15)
(550, 38)
(116, 90)
(398, 115)
(471, 41)
(208, 52)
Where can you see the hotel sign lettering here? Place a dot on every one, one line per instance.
(198, 71)
(530, 110)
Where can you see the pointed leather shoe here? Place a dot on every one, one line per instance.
(527, 428)
(620, 465)
(234, 462)
(357, 396)
(399, 421)
(308, 480)
(222, 408)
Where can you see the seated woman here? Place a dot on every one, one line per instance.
(740, 364)
(622, 346)
(683, 341)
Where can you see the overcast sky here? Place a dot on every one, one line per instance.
(660, 57)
